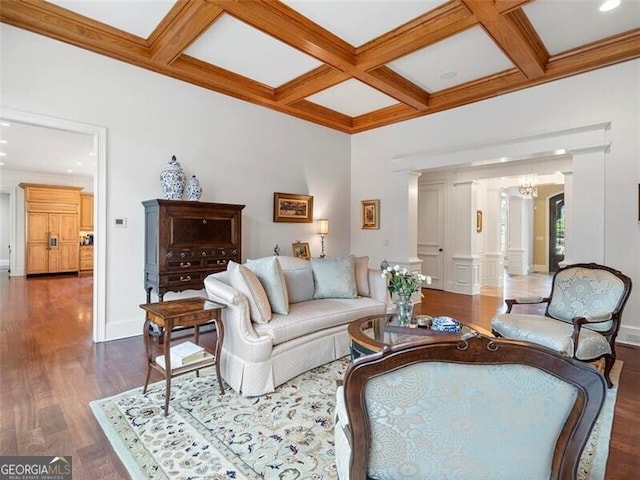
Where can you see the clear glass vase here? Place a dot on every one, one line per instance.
(405, 309)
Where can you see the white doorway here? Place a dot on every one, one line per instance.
(5, 231)
(431, 206)
(99, 135)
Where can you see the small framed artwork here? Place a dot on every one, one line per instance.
(292, 208)
(370, 214)
(301, 250)
(478, 221)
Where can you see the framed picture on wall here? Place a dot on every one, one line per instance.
(292, 208)
(370, 215)
(301, 250)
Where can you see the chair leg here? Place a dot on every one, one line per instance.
(609, 360)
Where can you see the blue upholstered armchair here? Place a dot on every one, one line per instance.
(480, 408)
(582, 317)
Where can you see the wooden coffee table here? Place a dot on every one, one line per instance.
(371, 334)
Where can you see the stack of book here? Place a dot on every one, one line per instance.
(183, 354)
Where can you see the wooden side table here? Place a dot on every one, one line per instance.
(186, 312)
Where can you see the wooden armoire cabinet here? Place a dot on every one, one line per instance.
(185, 241)
(52, 217)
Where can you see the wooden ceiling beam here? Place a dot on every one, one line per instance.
(616, 49)
(56, 22)
(312, 82)
(214, 78)
(504, 6)
(599, 54)
(518, 18)
(389, 82)
(287, 25)
(433, 26)
(384, 116)
(183, 24)
(61, 24)
(332, 118)
(509, 37)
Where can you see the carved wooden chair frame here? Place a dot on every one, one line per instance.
(478, 350)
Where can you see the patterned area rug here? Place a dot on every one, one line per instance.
(286, 435)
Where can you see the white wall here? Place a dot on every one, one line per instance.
(240, 152)
(607, 95)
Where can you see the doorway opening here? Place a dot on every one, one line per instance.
(99, 135)
(556, 231)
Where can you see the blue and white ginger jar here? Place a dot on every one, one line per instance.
(194, 191)
(172, 180)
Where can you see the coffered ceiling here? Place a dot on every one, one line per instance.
(352, 65)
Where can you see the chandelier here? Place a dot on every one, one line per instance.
(528, 188)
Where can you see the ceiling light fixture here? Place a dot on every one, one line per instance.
(608, 5)
(3, 141)
(79, 163)
(5, 124)
(1, 164)
(528, 187)
(2, 154)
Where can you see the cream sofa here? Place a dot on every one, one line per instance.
(257, 357)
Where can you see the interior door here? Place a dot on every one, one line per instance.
(556, 231)
(431, 232)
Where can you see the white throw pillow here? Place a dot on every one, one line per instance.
(362, 276)
(247, 283)
(334, 277)
(269, 272)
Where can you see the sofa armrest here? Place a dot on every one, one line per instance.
(240, 338)
(378, 289)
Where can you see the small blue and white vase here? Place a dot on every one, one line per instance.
(172, 180)
(194, 191)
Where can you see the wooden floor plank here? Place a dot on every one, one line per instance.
(50, 371)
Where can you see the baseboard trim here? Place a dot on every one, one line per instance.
(629, 335)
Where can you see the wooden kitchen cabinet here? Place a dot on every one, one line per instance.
(52, 244)
(86, 212)
(86, 257)
(52, 228)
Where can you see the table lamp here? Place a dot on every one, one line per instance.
(323, 229)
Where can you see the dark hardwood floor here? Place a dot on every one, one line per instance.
(50, 370)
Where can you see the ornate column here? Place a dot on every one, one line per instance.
(493, 274)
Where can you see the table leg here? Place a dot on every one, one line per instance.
(196, 337)
(147, 348)
(220, 333)
(167, 363)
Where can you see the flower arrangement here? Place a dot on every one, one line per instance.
(402, 282)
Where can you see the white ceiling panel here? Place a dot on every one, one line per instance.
(352, 98)
(566, 24)
(136, 17)
(46, 150)
(359, 21)
(455, 60)
(235, 46)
